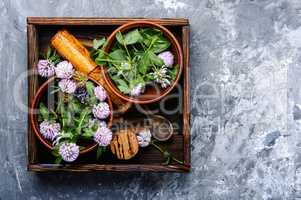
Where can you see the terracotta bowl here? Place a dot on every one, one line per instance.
(42, 93)
(155, 92)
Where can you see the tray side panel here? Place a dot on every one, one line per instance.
(33, 50)
(102, 21)
(115, 168)
(186, 97)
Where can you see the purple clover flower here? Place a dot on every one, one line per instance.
(45, 68)
(103, 136)
(137, 90)
(50, 130)
(64, 70)
(67, 86)
(100, 93)
(101, 110)
(167, 57)
(69, 152)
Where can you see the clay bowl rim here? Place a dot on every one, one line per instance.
(34, 122)
(174, 42)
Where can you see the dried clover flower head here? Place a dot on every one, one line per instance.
(98, 122)
(81, 94)
(137, 90)
(45, 68)
(103, 136)
(167, 58)
(67, 86)
(69, 152)
(100, 93)
(162, 77)
(102, 123)
(144, 137)
(64, 70)
(50, 130)
(101, 110)
(125, 65)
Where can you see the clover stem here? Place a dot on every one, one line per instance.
(126, 49)
(109, 60)
(176, 160)
(52, 111)
(141, 43)
(134, 48)
(81, 120)
(151, 45)
(157, 147)
(162, 151)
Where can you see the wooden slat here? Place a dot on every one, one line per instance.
(186, 106)
(116, 168)
(101, 21)
(148, 155)
(33, 50)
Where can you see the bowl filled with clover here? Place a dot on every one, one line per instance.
(142, 61)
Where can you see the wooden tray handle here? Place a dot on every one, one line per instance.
(71, 49)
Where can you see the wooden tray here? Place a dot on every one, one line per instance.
(39, 32)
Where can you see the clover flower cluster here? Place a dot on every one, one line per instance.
(51, 130)
(63, 70)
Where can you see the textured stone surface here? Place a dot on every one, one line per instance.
(246, 97)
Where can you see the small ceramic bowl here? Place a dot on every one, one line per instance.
(40, 95)
(151, 93)
(161, 128)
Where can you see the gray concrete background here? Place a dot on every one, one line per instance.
(246, 103)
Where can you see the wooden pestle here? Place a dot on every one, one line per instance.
(72, 50)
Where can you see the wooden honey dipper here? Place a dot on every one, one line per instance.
(71, 49)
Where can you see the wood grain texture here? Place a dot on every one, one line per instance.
(33, 51)
(125, 144)
(99, 167)
(147, 156)
(101, 21)
(186, 102)
(71, 49)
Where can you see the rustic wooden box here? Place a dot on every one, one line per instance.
(39, 32)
